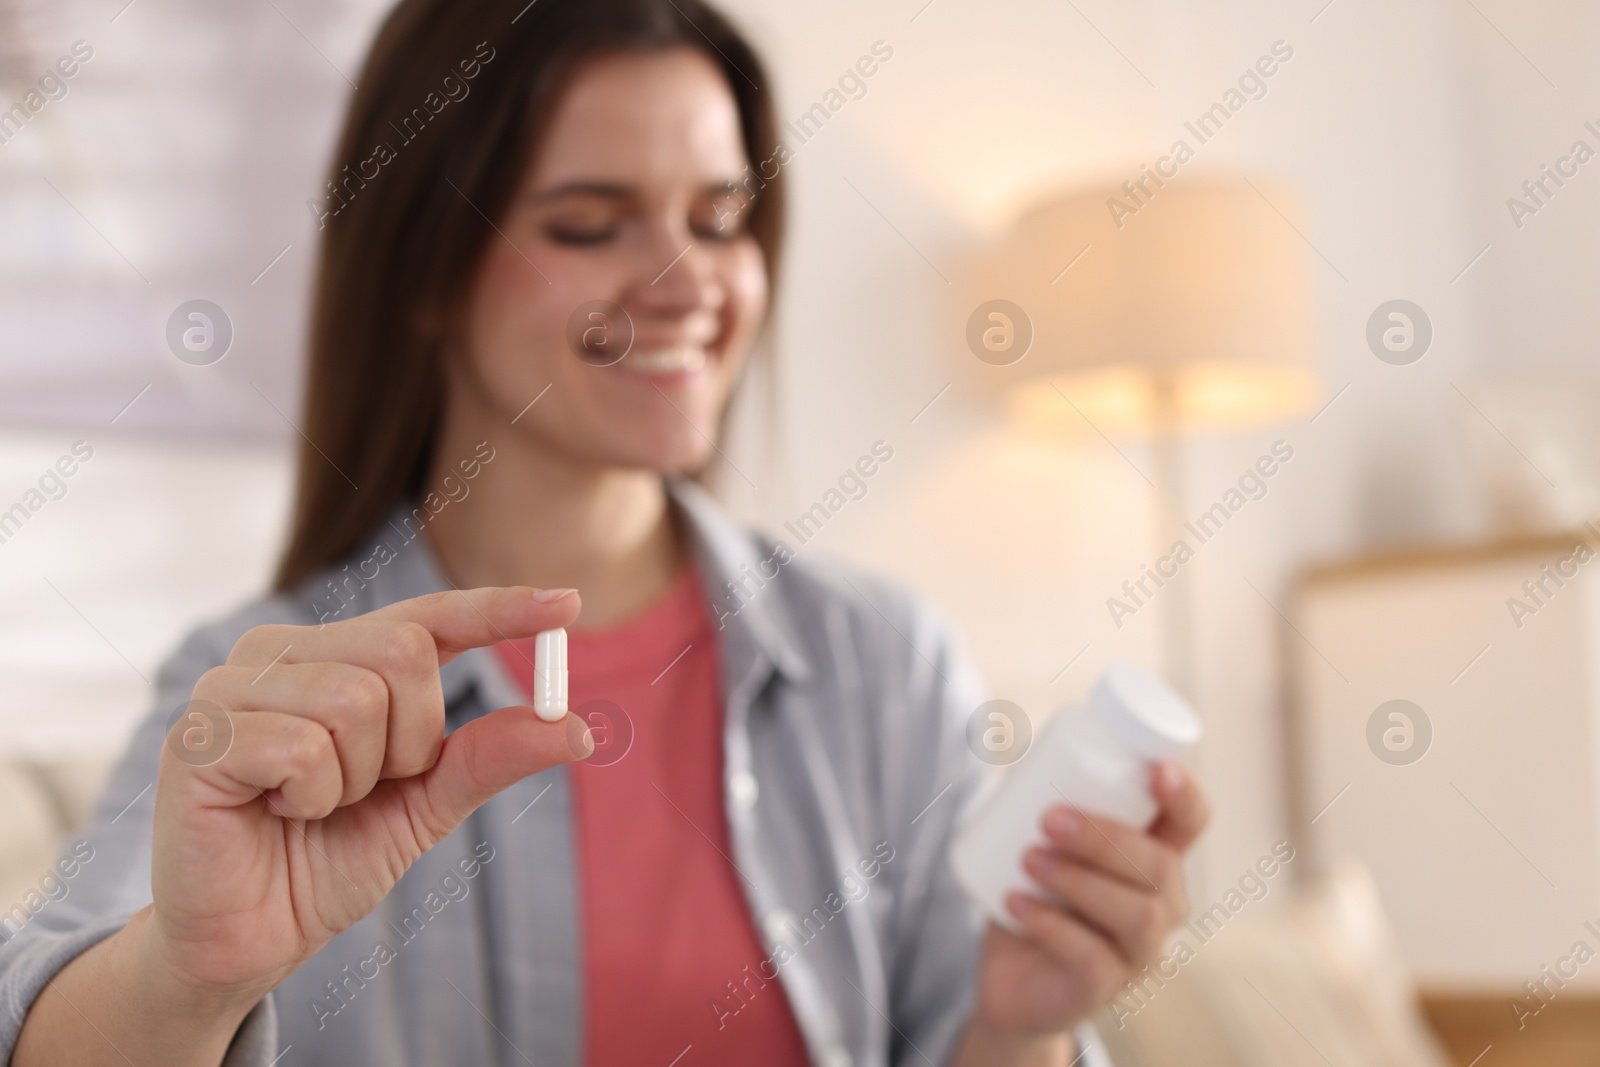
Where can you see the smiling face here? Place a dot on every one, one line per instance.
(630, 200)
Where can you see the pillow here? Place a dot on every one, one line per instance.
(43, 803)
(1312, 981)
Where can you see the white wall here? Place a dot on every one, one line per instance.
(145, 539)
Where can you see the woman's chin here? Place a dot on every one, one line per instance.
(670, 452)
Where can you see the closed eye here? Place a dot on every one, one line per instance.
(580, 236)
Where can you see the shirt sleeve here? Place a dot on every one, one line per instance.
(109, 865)
(1091, 1050)
(935, 964)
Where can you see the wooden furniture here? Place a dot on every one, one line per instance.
(1565, 1034)
(1484, 838)
(1486, 845)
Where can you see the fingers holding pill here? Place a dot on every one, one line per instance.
(404, 645)
(458, 620)
(337, 731)
(486, 756)
(461, 619)
(400, 653)
(371, 683)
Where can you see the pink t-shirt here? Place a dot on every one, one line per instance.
(665, 925)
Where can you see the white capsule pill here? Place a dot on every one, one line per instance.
(550, 674)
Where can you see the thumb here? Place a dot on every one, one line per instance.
(1184, 808)
(492, 753)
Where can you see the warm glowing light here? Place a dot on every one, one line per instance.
(1205, 397)
(1194, 317)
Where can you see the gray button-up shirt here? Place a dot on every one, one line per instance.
(846, 702)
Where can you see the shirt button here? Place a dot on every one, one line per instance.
(778, 924)
(742, 786)
(837, 1056)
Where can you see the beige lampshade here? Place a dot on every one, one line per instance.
(1185, 309)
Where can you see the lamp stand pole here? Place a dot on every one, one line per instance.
(1178, 631)
(1177, 646)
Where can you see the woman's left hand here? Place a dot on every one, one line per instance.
(1123, 891)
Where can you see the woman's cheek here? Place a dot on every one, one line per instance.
(750, 281)
(522, 339)
(746, 281)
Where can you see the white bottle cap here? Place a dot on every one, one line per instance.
(550, 674)
(1144, 712)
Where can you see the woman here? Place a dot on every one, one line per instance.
(362, 847)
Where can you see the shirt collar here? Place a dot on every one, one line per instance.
(738, 572)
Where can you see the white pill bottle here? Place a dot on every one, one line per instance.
(1098, 758)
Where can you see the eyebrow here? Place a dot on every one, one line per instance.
(611, 190)
(614, 190)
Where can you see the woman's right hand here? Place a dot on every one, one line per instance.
(337, 777)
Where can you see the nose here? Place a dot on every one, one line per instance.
(678, 279)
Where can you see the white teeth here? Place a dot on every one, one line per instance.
(675, 360)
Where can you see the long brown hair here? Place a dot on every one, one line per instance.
(453, 99)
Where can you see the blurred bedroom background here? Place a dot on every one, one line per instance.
(1408, 283)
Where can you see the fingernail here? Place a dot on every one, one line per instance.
(1019, 904)
(550, 596)
(1063, 823)
(1041, 864)
(1172, 776)
(579, 737)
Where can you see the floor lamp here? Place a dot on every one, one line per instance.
(1181, 310)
